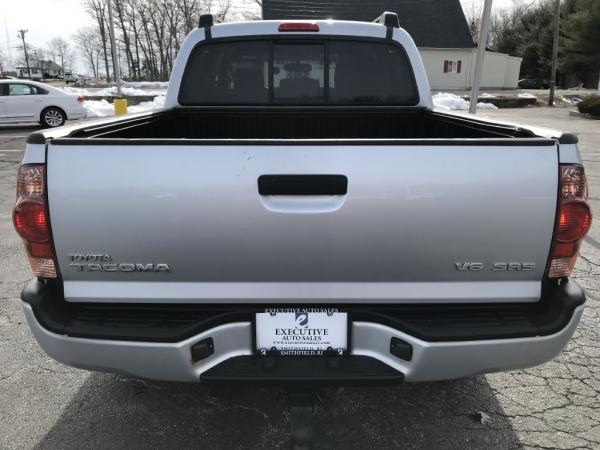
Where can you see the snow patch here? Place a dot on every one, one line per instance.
(570, 100)
(102, 108)
(486, 95)
(527, 95)
(157, 103)
(489, 106)
(452, 102)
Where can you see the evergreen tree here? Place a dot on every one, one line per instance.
(580, 53)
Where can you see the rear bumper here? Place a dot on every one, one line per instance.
(432, 357)
(77, 113)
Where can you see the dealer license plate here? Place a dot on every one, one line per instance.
(302, 332)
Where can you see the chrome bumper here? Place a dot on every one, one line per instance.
(430, 361)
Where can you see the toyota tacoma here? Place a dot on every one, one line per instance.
(299, 212)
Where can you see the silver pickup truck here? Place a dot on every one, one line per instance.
(298, 212)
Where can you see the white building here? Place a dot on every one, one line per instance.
(453, 68)
(40, 69)
(35, 73)
(439, 28)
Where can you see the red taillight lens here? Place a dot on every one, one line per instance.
(29, 218)
(299, 26)
(573, 221)
(80, 99)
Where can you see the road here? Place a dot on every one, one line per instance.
(44, 404)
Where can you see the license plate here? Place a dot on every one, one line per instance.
(301, 332)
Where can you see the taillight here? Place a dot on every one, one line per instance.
(573, 221)
(80, 99)
(31, 222)
(299, 26)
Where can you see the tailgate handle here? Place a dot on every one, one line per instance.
(302, 185)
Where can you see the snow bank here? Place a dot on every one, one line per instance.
(147, 84)
(106, 92)
(486, 95)
(98, 108)
(131, 91)
(526, 95)
(112, 91)
(157, 103)
(74, 90)
(102, 108)
(452, 102)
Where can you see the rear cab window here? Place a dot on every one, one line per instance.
(298, 72)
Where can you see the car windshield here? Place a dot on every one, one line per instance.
(299, 72)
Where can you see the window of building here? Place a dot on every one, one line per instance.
(452, 66)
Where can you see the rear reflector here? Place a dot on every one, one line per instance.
(31, 222)
(573, 221)
(299, 26)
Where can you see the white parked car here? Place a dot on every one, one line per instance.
(30, 101)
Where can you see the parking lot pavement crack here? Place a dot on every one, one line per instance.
(256, 410)
(15, 373)
(542, 447)
(590, 262)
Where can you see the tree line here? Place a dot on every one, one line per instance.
(526, 30)
(148, 33)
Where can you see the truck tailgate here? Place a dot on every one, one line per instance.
(186, 223)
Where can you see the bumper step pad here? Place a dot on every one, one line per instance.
(343, 370)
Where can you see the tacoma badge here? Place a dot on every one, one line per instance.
(102, 262)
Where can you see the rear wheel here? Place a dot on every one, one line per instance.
(52, 117)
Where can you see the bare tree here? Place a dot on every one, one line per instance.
(89, 46)
(97, 9)
(3, 64)
(149, 33)
(60, 49)
(254, 16)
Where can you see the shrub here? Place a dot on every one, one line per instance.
(590, 105)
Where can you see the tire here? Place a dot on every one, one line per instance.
(52, 117)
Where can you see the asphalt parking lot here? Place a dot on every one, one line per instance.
(44, 404)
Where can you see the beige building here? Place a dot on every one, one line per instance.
(453, 68)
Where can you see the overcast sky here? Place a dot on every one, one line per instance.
(46, 19)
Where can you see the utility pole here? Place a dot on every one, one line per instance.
(483, 35)
(22, 35)
(554, 53)
(113, 46)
